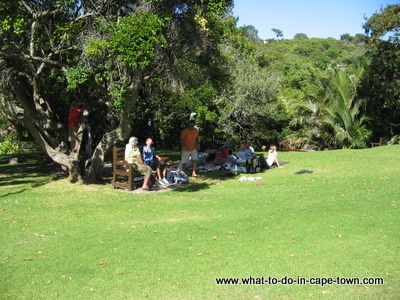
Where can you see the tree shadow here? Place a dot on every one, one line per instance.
(206, 180)
(203, 181)
(34, 169)
(14, 193)
(191, 187)
(37, 169)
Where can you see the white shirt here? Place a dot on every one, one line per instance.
(271, 157)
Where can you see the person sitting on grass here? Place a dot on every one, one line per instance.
(239, 157)
(272, 159)
(224, 155)
(154, 161)
(248, 150)
(133, 155)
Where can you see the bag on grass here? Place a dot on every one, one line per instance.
(180, 177)
(170, 177)
(253, 165)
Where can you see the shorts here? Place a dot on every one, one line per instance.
(154, 164)
(143, 169)
(186, 154)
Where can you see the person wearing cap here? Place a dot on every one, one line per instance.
(133, 155)
(190, 144)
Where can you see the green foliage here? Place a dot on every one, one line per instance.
(135, 40)
(385, 23)
(314, 50)
(8, 143)
(76, 76)
(346, 126)
(333, 116)
(384, 71)
(249, 31)
(216, 6)
(301, 36)
(278, 32)
(135, 37)
(8, 139)
(96, 47)
(15, 25)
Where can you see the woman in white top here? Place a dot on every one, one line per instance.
(133, 155)
(272, 158)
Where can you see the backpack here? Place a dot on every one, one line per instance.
(253, 165)
(170, 176)
(176, 177)
(180, 177)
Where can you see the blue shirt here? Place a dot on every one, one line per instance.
(148, 154)
(248, 152)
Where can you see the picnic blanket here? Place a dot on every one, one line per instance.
(280, 163)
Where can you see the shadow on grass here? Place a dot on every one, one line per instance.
(192, 187)
(9, 194)
(205, 181)
(34, 169)
(37, 169)
(202, 182)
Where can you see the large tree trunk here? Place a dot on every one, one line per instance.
(94, 166)
(49, 138)
(49, 142)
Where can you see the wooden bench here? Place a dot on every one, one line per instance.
(380, 143)
(123, 173)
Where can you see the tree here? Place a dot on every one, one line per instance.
(278, 32)
(333, 116)
(249, 31)
(384, 74)
(301, 36)
(98, 52)
(248, 108)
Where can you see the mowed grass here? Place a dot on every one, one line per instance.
(76, 241)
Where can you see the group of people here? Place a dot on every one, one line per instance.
(146, 160)
(244, 153)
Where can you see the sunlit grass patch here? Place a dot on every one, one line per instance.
(92, 242)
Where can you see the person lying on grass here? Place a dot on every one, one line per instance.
(133, 155)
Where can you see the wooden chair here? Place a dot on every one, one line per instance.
(380, 143)
(123, 173)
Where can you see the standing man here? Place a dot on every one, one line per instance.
(190, 144)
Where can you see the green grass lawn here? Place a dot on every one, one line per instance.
(79, 241)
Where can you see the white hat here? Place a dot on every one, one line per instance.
(133, 141)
